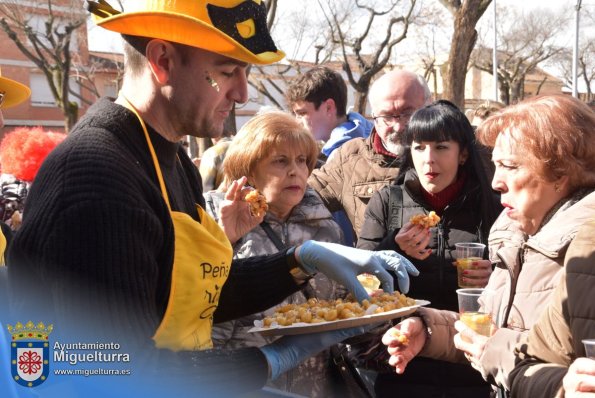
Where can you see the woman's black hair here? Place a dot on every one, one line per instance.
(443, 121)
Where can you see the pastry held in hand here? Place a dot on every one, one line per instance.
(369, 282)
(426, 221)
(258, 203)
(397, 335)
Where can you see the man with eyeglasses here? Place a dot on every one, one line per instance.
(12, 93)
(361, 166)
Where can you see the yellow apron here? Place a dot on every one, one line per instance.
(202, 260)
(2, 248)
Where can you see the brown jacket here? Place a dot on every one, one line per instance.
(527, 271)
(351, 175)
(555, 341)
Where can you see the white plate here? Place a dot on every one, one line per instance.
(303, 328)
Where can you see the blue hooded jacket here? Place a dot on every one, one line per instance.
(355, 126)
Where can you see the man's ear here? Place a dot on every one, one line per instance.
(160, 55)
(330, 107)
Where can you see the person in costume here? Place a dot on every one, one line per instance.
(12, 93)
(115, 243)
(22, 152)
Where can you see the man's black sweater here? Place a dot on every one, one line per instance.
(96, 246)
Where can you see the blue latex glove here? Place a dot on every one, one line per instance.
(289, 351)
(344, 264)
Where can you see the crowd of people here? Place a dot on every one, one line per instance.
(123, 237)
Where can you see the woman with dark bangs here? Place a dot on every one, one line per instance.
(544, 153)
(442, 172)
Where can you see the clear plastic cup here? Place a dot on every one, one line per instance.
(470, 315)
(466, 254)
(589, 348)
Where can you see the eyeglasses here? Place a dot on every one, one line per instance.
(2, 93)
(391, 120)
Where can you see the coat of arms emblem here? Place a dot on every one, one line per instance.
(29, 347)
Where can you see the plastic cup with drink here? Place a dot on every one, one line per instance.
(469, 310)
(589, 348)
(467, 254)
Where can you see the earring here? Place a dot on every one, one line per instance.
(557, 187)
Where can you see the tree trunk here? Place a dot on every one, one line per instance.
(587, 85)
(516, 91)
(71, 115)
(504, 91)
(460, 50)
(360, 102)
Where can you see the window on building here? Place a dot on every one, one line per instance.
(41, 94)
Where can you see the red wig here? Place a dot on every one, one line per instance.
(23, 150)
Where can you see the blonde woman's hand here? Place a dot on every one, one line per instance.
(413, 240)
(235, 217)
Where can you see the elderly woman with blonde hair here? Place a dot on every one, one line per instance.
(544, 152)
(277, 154)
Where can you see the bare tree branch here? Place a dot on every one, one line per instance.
(363, 53)
(49, 48)
(271, 12)
(524, 45)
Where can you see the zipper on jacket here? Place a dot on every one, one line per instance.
(441, 252)
(513, 282)
(285, 234)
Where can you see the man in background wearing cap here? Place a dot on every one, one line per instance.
(115, 240)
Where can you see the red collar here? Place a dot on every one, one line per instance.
(379, 146)
(440, 200)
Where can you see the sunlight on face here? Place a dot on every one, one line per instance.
(203, 93)
(526, 195)
(399, 98)
(281, 177)
(319, 121)
(437, 163)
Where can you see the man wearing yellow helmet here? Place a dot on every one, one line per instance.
(116, 244)
(12, 93)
